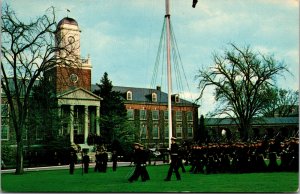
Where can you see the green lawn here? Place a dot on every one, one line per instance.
(62, 181)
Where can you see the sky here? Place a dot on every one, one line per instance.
(122, 36)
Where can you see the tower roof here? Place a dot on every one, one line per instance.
(67, 20)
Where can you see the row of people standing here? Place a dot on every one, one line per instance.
(242, 158)
(101, 159)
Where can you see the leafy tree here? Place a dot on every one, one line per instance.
(283, 102)
(28, 50)
(113, 114)
(242, 79)
(200, 132)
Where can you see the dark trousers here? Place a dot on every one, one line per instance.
(144, 173)
(72, 168)
(86, 168)
(173, 167)
(97, 167)
(114, 165)
(137, 172)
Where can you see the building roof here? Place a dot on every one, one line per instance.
(67, 20)
(258, 121)
(144, 95)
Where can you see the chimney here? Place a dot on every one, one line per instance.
(158, 88)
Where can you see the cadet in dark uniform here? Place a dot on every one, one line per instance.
(144, 156)
(114, 159)
(174, 160)
(72, 161)
(97, 166)
(105, 160)
(137, 160)
(86, 162)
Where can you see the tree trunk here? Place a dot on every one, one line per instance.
(245, 132)
(19, 157)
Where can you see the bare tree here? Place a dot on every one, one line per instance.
(242, 79)
(28, 50)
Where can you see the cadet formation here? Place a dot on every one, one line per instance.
(210, 158)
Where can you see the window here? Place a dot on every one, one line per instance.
(130, 114)
(39, 134)
(179, 130)
(143, 114)
(166, 116)
(178, 115)
(129, 95)
(155, 115)
(155, 131)
(4, 122)
(177, 99)
(25, 135)
(190, 116)
(143, 131)
(154, 97)
(4, 110)
(190, 130)
(166, 131)
(4, 132)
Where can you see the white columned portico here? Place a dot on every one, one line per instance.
(91, 103)
(72, 124)
(97, 120)
(86, 130)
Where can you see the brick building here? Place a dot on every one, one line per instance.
(147, 109)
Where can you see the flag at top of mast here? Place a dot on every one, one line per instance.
(194, 3)
(68, 11)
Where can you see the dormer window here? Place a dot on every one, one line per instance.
(129, 95)
(154, 97)
(177, 99)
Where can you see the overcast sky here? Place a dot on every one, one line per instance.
(122, 36)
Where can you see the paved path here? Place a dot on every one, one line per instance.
(109, 164)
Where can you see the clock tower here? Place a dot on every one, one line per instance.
(71, 70)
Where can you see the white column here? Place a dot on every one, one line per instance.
(72, 124)
(97, 120)
(86, 117)
(60, 130)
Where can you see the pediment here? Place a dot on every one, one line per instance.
(79, 94)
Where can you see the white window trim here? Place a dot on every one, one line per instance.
(154, 97)
(157, 115)
(131, 110)
(129, 95)
(181, 131)
(155, 124)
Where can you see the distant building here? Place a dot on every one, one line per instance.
(268, 126)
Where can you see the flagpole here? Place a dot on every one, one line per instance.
(169, 70)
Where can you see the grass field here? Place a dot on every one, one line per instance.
(62, 181)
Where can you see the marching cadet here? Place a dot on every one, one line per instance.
(137, 161)
(144, 156)
(174, 160)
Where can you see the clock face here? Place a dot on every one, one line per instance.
(71, 39)
(74, 78)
